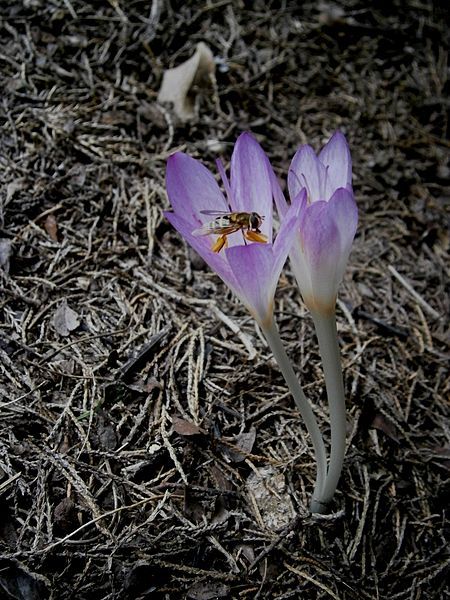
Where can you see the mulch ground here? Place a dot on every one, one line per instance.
(149, 447)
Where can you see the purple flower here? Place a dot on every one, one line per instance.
(251, 269)
(328, 221)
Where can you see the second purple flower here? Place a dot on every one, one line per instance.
(328, 222)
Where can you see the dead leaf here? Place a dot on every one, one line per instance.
(107, 437)
(65, 320)
(185, 427)
(197, 508)
(382, 424)
(246, 551)
(441, 456)
(12, 188)
(65, 366)
(117, 117)
(135, 363)
(51, 227)
(208, 591)
(221, 514)
(267, 485)
(178, 82)
(220, 480)
(5, 254)
(20, 583)
(64, 514)
(242, 446)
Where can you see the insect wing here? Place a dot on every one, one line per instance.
(221, 225)
(215, 213)
(205, 229)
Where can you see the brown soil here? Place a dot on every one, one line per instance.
(149, 447)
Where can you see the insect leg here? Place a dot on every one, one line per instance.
(254, 236)
(220, 243)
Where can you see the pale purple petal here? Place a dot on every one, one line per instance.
(335, 156)
(301, 268)
(344, 213)
(252, 266)
(202, 245)
(278, 196)
(286, 237)
(320, 243)
(306, 171)
(192, 188)
(319, 233)
(287, 233)
(250, 180)
(226, 184)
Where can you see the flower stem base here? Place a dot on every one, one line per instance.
(272, 336)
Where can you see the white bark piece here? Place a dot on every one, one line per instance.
(178, 82)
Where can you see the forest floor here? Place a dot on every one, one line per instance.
(149, 447)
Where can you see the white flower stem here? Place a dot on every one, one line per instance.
(276, 345)
(331, 359)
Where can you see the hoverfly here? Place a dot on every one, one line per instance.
(226, 223)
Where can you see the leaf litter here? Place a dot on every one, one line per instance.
(100, 496)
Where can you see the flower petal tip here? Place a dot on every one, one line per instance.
(174, 157)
